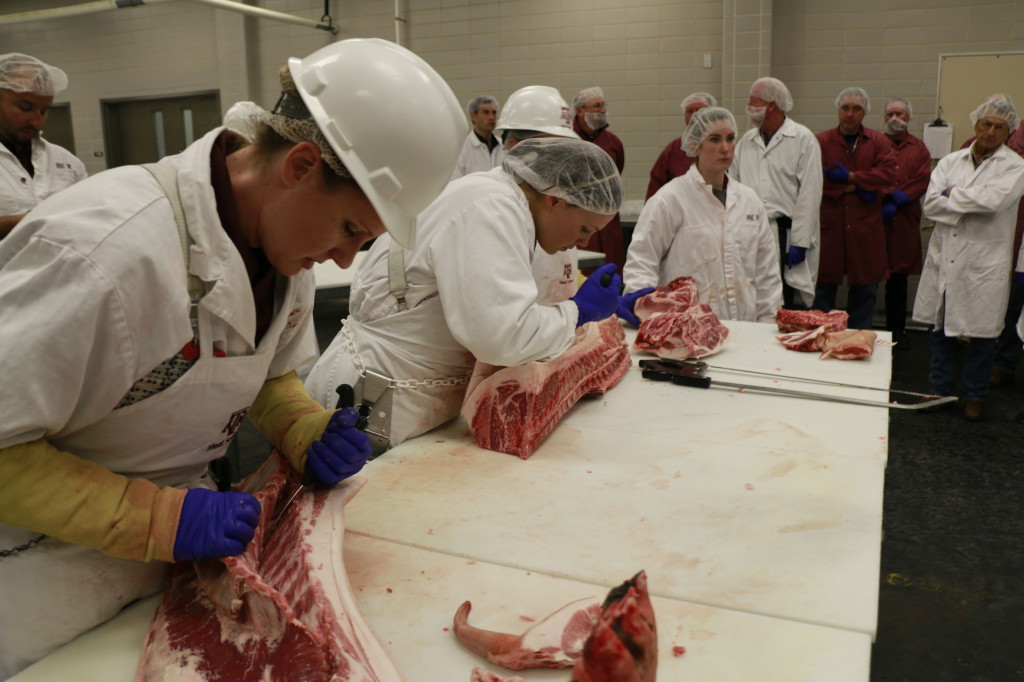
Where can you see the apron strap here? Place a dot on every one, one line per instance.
(396, 273)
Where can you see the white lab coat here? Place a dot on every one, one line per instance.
(555, 274)
(471, 295)
(54, 169)
(970, 254)
(787, 176)
(475, 157)
(93, 295)
(683, 230)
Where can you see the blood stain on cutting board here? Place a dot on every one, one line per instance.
(823, 524)
(778, 470)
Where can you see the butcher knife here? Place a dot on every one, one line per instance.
(690, 375)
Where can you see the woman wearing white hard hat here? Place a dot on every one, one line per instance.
(119, 391)
(540, 111)
(420, 317)
(707, 226)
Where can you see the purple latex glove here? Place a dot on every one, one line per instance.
(796, 255)
(626, 304)
(215, 524)
(341, 451)
(900, 198)
(837, 173)
(597, 301)
(866, 196)
(888, 212)
(1018, 278)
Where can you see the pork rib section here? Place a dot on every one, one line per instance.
(694, 333)
(675, 297)
(513, 409)
(806, 320)
(283, 610)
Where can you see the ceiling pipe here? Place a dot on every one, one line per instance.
(105, 5)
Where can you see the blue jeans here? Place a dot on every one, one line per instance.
(1008, 346)
(977, 365)
(860, 302)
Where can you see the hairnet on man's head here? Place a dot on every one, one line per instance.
(575, 170)
(709, 100)
(772, 90)
(24, 73)
(585, 95)
(854, 93)
(475, 103)
(901, 102)
(703, 123)
(997, 108)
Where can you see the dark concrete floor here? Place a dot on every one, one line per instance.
(951, 603)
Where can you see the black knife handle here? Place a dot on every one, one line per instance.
(694, 380)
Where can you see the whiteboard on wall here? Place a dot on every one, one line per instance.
(967, 80)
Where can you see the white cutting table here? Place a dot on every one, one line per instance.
(757, 519)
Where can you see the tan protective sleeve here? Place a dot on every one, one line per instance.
(72, 499)
(288, 417)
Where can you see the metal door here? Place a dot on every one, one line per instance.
(143, 131)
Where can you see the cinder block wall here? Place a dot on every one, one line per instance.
(646, 54)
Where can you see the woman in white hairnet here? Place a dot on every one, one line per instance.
(147, 310)
(707, 226)
(972, 197)
(31, 168)
(419, 317)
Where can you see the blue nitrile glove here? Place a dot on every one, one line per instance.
(837, 173)
(597, 302)
(1018, 278)
(625, 308)
(900, 198)
(866, 196)
(888, 212)
(215, 524)
(796, 255)
(341, 451)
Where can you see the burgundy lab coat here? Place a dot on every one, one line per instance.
(671, 163)
(609, 240)
(913, 170)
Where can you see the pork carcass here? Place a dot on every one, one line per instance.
(675, 297)
(851, 344)
(282, 610)
(512, 409)
(555, 642)
(806, 320)
(693, 333)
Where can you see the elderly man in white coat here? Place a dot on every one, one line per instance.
(780, 160)
(707, 226)
(972, 197)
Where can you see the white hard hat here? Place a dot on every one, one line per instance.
(536, 107)
(360, 93)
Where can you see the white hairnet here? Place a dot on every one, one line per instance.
(997, 107)
(850, 93)
(24, 73)
(772, 90)
(244, 118)
(584, 96)
(903, 102)
(698, 97)
(703, 123)
(575, 170)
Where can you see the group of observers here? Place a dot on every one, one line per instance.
(779, 216)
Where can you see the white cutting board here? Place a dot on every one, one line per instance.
(409, 597)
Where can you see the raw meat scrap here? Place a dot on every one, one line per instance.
(693, 333)
(806, 320)
(512, 409)
(481, 675)
(852, 344)
(555, 642)
(675, 297)
(805, 341)
(283, 610)
(623, 646)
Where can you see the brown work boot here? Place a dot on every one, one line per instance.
(974, 410)
(1000, 378)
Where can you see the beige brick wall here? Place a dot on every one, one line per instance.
(646, 54)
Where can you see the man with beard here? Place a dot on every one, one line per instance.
(901, 213)
(591, 124)
(780, 160)
(31, 168)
